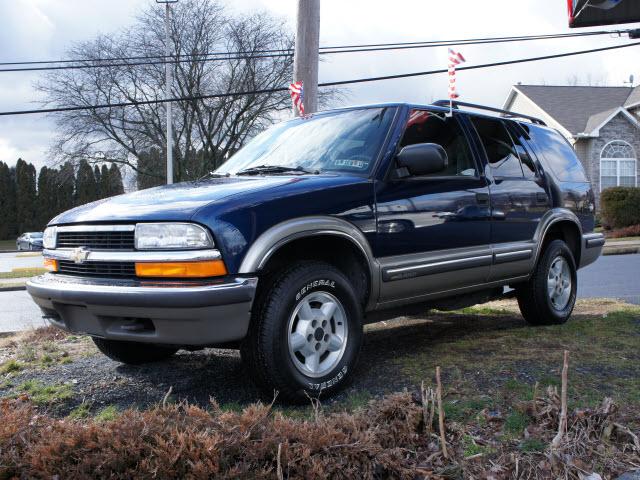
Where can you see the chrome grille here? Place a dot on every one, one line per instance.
(98, 269)
(98, 240)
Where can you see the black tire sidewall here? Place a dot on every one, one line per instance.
(322, 279)
(555, 249)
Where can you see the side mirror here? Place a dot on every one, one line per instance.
(422, 159)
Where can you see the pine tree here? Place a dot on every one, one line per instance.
(104, 182)
(115, 181)
(151, 169)
(8, 226)
(44, 208)
(97, 176)
(65, 180)
(85, 184)
(25, 196)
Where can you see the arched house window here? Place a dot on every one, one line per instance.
(618, 165)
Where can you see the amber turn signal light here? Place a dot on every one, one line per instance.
(51, 264)
(209, 268)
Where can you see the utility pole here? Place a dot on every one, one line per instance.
(305, 59)
(168, 73)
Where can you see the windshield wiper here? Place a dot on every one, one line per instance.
(209, 175)
(275, 169)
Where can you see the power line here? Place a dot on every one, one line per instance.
(222, 56)
(335, 47)
(324, 84)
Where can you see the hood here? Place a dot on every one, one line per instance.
(177, 202)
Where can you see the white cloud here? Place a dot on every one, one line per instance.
(40, 29)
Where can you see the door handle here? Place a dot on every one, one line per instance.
(482, 198)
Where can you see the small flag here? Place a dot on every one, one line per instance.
(455, 58)
(296, 90)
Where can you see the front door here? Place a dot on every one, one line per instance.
(433, 232)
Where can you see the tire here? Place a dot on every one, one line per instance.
(293, 347)
(546, 302)
(133, 353)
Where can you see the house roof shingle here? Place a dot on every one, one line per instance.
(574, 106)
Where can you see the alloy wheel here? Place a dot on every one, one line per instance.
(559, 283)
(317, 334)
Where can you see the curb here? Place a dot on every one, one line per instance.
(13, 289)
(11, 251)
(620, 250)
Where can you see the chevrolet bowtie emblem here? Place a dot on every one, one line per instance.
(79, 255)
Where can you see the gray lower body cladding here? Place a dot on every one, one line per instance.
(189, 314)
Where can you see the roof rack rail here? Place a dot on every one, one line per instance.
(506, 113)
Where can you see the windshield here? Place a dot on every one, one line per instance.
(346, 141)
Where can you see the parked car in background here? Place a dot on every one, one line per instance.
(322, 224)
(29, 241)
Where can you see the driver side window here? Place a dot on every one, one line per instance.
(431, 127)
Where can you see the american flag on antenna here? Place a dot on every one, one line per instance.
(455, 58)
(296, 90)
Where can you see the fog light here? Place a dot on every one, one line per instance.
(51, 264)
(210, 268)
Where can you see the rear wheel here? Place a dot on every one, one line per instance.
(133, 353)
(549, 296)
(305, 334)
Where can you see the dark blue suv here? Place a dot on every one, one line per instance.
(319, 225)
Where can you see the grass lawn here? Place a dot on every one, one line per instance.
(7, 244)
(491, 356)
(23, 272)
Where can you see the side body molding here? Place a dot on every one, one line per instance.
(281, 234)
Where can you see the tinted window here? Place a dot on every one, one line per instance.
(526, 159)
(557, 155)
(499, 147)
(429, 127)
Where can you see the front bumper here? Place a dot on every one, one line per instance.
(196, 313)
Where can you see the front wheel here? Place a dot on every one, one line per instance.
(305, 334)
(133, 353)
(549, 296)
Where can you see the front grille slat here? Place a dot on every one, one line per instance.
(97, 240)
(98, 269)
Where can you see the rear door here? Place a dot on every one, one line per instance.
(518, 197)
(433, 232)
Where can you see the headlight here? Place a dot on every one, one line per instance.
(49, 237)
(171, 236)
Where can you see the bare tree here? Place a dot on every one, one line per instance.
(588, 81)
(205, 131)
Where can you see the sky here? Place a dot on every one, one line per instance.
(46, 29)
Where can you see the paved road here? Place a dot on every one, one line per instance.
(18, 312)
(615, 276)
(9, 261)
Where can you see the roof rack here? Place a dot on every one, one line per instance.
(506, 113)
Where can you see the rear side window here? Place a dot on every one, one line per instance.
(557, 155)
(498, 144)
